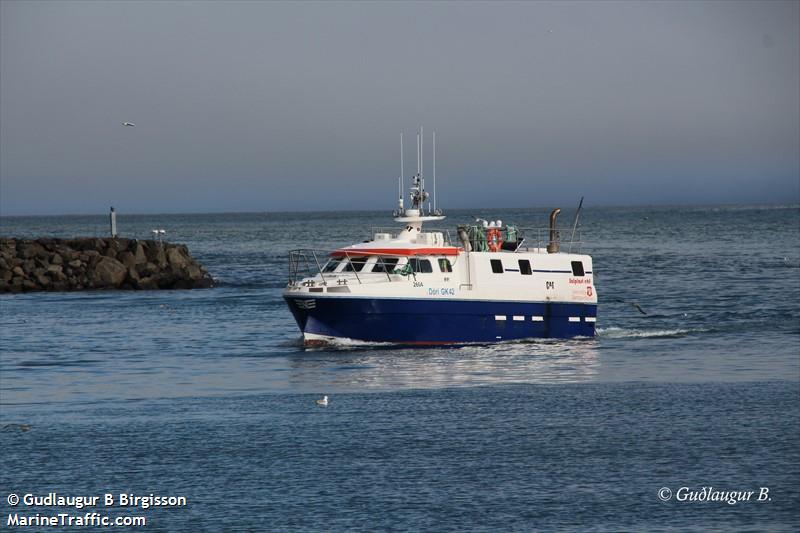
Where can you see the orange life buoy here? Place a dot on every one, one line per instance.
(494, 239)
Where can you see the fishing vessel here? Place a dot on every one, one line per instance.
(494, 282)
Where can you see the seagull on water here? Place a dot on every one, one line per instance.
(323, 401)
(128, 124)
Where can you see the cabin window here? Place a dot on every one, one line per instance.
(525, 267)
(444, 265)
(577, 268)
(332, 264)
(385, 264)
(355, 264)
(497, 266)
(420, 265)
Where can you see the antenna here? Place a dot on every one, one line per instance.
(421, 168)
(417, 154)
(434, 172)
(400, 201)
(575, 224)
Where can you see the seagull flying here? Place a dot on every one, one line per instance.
(128, 124)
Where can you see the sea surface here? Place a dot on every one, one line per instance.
(692, 382)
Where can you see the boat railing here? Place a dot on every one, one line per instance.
(393, 232)
(309, 263)
(526, 239)
(515, 238)
(306, 263)
(539, 239)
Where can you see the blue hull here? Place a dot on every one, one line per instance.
(439, 321)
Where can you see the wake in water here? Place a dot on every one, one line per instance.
(345, 344)
(602, 333)
(627, 333)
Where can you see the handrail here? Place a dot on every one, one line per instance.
(300, 265)
(347, 255)
(298, 258)
(525, 238)
(319, 268)
(394, 232)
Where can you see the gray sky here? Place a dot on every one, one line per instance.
(269, 106)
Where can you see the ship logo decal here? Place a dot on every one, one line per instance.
(306, 304)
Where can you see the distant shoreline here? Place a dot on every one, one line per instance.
(795, 205)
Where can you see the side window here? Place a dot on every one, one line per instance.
(332, 264)
(497, 266)
(385, 264)
(355, 264)
(421, 266)
(525, 267)
(444, 265)
(577, 268)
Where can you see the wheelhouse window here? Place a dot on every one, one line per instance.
(354, 264)
(332, 264)
(577, 268)
(525, 267)
(497, 266)
(422, 266)
(385, 264)
(444, 265)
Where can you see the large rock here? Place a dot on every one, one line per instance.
(139, 254)
(29, 250)
(147, 283)
(108, 273)
(90, 244)
(127, 259)
(176, 259)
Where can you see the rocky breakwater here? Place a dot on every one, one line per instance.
(49, 264)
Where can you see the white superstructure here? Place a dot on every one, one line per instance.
(493, 282)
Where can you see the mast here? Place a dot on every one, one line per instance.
(421, 171)
(434, 172)
(418, 165)
(400, 190)
(415, 215)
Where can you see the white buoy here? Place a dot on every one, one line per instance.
(113, 217)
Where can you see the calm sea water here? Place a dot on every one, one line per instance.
(209, 394)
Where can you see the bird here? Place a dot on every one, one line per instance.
(323, 401)
(634, 304)
(128, 124)
(21, 427)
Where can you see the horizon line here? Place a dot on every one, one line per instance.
(295, 211)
